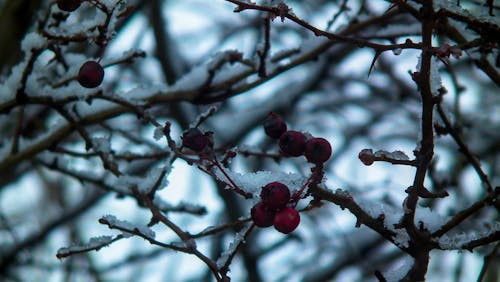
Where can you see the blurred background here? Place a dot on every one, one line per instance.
(200, 54)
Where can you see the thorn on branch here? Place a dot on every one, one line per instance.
(358, 222)
(372, 66)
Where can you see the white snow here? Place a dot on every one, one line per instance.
(95, 243)
(158, 133)
(432, 220)
(456, 241)
(395, 155)
(9, 88)
(33, 41)
(392, 216)
(221, 66)
(125, 226)
(252, 182)
(435, 78)
(141, 93)
(480, 13)
(239, 239)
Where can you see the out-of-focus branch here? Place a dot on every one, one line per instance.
(9, 258)
(170, 58)
(16, 17)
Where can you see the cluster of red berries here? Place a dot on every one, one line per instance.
(276, 206)
(273, 209)
(91, 73)
(294, 143)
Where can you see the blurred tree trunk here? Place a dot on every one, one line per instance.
(16, 16)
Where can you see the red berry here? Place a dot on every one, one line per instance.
(262, 216)
(91, 74)
(68, 5)
(194, 139)
(274, 126)
(292, 143)
(286, 220)
(318, 150)
(275, 195)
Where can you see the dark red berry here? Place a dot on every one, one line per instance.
(366, 156)
(91, 74)
(262, 216)
(318, 150)
(275, 195)
(68, 5)
(292, 143)
(274, 126)
(194, 139)
(286, 220)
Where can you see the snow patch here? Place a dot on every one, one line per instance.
(125, 226)
(252, 182)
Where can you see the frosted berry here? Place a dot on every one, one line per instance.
(274, 126)
(194, 139)
(262, 216)
(91, 74)
(318, 150)
(292, 143)
(286, 220)
(68, 5)
(275, 195)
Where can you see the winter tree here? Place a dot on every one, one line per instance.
(256, 140)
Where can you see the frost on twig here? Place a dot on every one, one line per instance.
(95, 243)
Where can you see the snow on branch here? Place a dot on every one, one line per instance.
(368, 157)
(147, 234)
(94, 244)
(252, 182)
(469, 241)
(226, 257)
(127, 228)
